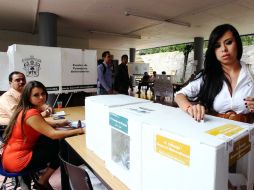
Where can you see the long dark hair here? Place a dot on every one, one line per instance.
(213, 75)
(24, 105)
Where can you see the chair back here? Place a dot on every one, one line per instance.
(163, 87)
(78, 177)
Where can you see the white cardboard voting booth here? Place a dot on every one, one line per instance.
(90, 76)
(79, 70)
(180, 153)
(138, 68)
(72, 69)
(97, 119)
(59, 69)
(4, 71)
(37, 63)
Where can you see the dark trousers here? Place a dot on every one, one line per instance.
(143, 84)
(45, 154)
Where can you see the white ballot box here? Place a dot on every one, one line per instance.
(124, 158)
(180, 153)
(97, 119)
(37, 63)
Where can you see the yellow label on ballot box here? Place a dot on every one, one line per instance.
(241, 147)
(227, 130)
(173, 149)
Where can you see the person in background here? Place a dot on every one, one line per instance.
(122, 79)
(153, 77)
(104, 82)
(9, 100)
(144, 82)
(152, 80)
(224, 88)
(29, 142)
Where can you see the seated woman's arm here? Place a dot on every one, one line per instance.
(56, 123)
(46, 110)
(39, 124)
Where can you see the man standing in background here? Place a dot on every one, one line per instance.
(122, 79)
(105, 82)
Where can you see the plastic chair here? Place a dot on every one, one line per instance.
(78, 177)
(7, 176)
(13, 176)
(6, 184)
(163, 89)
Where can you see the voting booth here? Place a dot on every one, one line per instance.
(78, 70)
(90, 74)
(97, 119)
(138, 68)
(37, 63)
(59, 69)
(4, 71)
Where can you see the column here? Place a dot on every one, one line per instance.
(132, 54)
(198, 52)
(47, 29)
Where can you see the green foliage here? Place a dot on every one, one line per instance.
(170, 48)
(246, 40)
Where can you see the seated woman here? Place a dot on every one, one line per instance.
(29, 141)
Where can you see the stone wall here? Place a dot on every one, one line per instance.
(171, 61)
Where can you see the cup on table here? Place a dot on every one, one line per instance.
(59, 105)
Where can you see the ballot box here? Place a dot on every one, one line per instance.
(124, 158)
(97, 119)
(181, 153)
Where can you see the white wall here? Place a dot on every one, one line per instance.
(8, 38)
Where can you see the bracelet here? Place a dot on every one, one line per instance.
(186, 109)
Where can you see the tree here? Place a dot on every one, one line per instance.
(187, 49)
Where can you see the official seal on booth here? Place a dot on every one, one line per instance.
(32, 66)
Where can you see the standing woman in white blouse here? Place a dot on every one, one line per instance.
(224, 88)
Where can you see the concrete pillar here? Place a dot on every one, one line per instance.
(132, 54)
(198, 52)
(47, 29)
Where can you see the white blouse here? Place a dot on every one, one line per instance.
(224, 102)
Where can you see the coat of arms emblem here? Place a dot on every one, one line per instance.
(32, 66)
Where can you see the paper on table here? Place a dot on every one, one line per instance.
(74, 124)
(60, 113)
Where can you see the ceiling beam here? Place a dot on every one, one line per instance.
(115, 34)
(172, 21)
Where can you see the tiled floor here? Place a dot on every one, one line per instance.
(55, 180)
